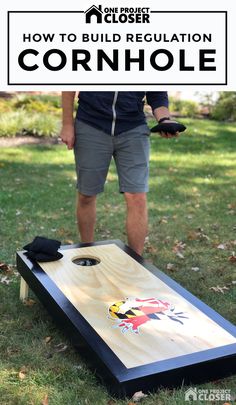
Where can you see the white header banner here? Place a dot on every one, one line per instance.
(124, 45)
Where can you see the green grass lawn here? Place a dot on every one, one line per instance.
(192, 207)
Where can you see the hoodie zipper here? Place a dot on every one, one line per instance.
(113, 125)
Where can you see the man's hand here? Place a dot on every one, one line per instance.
(68, 135)
(169, 134)
(168, 128)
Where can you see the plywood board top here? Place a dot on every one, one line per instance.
(137, 315)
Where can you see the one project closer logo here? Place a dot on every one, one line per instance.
(117, 45)
(114, 15)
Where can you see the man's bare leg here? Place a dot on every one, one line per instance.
(86, 217)
(136, 220)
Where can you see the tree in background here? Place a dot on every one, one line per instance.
(224, 107)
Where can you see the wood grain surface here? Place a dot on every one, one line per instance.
(93, 290)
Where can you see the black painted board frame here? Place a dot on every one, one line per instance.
(192, 368)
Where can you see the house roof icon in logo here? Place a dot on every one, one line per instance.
(93, 10)
(191, 393)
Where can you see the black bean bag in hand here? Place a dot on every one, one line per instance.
(169, 127)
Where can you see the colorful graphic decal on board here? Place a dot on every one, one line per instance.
(132, 313)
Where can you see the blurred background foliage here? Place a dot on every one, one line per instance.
(40, 114)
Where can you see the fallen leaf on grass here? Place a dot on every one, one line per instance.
(106, 233)
(47, 339)
(178, 249)
(61, 347)
(197, 235)
(111, 402)
(219, 289)
(179, 246)
(204, 236)
(29, 302)
(63, 233)
(150, 248)
(5, 280)
(69, 242)
(163, 220)
(221, 246)
(45, 400)
(201, 231)
(138, 396)
(170, 266)
(195, 269)
(193, 235)
(232, 258)
(180, 255)
(22, 373)
(5, 268)
(231, 206)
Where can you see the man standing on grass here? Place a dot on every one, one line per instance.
(112, 124)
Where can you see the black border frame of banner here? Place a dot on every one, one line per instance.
(116, 84)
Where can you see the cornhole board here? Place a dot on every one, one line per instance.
(141, 329)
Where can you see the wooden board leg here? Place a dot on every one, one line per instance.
(24, 289)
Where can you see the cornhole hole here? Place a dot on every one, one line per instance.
(141, 330)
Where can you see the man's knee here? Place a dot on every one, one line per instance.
(85, 200)
(137, 200)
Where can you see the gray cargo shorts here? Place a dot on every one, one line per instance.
(94, 150)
